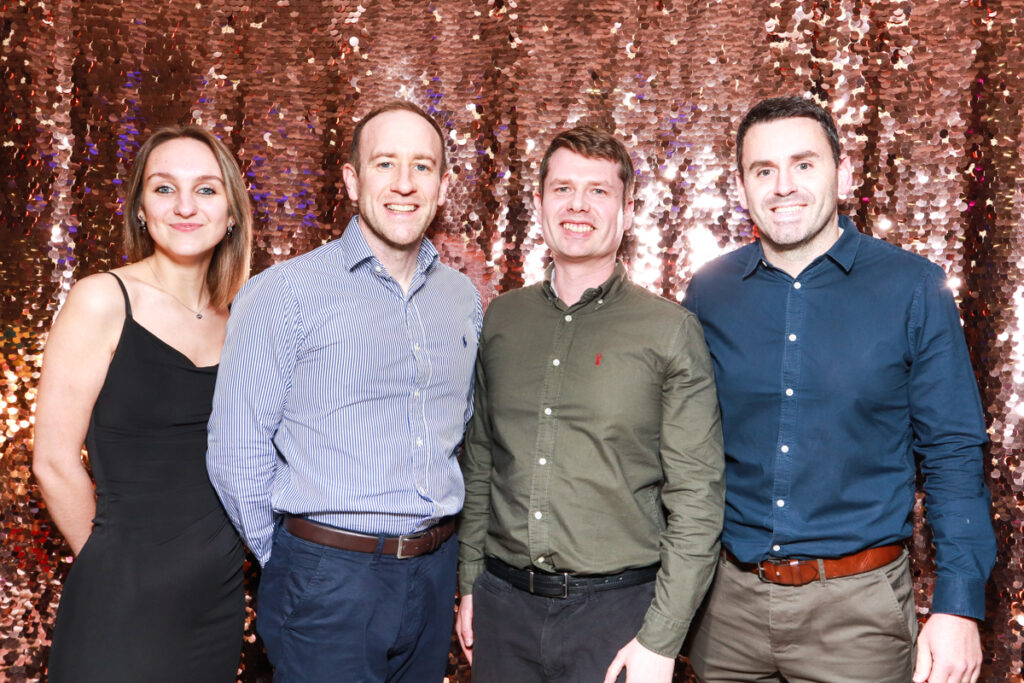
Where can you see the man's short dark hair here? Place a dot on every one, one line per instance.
(595, 143)
(788, 107)
(395, 105)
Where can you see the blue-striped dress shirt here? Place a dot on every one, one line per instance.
(342, 398)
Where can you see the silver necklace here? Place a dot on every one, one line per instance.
(198, 311)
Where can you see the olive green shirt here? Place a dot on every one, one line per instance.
(596, 446)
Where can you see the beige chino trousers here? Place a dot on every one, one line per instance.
(853, 629)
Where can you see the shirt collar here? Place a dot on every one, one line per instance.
(605, 291)
(355, 250)
(843, 252)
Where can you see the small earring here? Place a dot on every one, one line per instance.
(231, 227)
(142, 224)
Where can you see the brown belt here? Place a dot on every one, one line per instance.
(401, 547)
(799, 572)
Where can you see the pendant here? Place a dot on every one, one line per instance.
(199, 316)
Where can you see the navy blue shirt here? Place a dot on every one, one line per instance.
(829, 384)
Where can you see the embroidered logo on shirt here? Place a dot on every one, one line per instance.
(464, 340)
(597, 359)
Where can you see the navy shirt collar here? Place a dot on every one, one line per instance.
(842, 253)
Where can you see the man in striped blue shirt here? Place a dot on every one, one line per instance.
(345, 385)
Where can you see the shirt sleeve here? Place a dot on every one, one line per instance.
(478, 321)
(476, 471)
(693, 493)
(949, 432)
(253, 380)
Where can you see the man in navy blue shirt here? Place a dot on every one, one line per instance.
(839, 359)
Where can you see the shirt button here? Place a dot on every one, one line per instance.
(377, 268)
(600, 301)
(792, 337)
(547, 411)
(568, 318)
(784, 449)
(780, 503)
(556, 362)
(776, 548)
(537, 514)
(540, 560)
(797, 285)
(789, 392)
(419, 441)
(543, 461)
(416, 392)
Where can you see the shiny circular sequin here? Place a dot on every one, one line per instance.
(928, 96)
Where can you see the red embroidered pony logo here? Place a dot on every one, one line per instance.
(597, 359)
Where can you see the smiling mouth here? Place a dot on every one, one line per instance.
(186, 227)
(401, 208)
(579, 228)
(787, 211)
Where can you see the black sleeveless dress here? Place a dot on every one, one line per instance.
(156, 593)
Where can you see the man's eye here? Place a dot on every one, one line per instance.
(384, 165)
(598, 190)
(422, 167)
(804, 165)
(764, 172)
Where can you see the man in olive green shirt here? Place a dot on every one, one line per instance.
(593, 462)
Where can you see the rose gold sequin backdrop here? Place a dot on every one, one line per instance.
(928, 96)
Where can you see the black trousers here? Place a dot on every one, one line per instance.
(524, 638)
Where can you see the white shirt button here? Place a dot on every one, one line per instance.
(547, 411)
(419, 441)
(377, 268)
(797, 285)
(416, 346)
(789, 392)
(776, 548)
(600, 301)
(543, 461)
(792, 337)
(780, 503)
(568, 318)
(540, 560)
(784, 449)
(416, 392)
(556, 362)
(537, 514)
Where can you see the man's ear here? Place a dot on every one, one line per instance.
(738, 178)
(442, 192)
(351, 177)
(844, 176)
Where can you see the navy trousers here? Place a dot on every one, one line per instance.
(339, 616)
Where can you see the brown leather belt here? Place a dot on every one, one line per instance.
(401, 547)
(800, 572)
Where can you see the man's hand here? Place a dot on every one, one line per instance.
(464, 626)
(948, 650)
(642, 665)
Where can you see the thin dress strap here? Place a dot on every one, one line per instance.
(127, 303)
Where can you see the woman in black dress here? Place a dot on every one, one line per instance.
(155, 592)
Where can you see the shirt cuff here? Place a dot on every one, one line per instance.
(960, 596)
(468, 573)
(661, 634)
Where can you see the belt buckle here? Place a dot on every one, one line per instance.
(565, 585)
(762, 563)
(400, 552)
